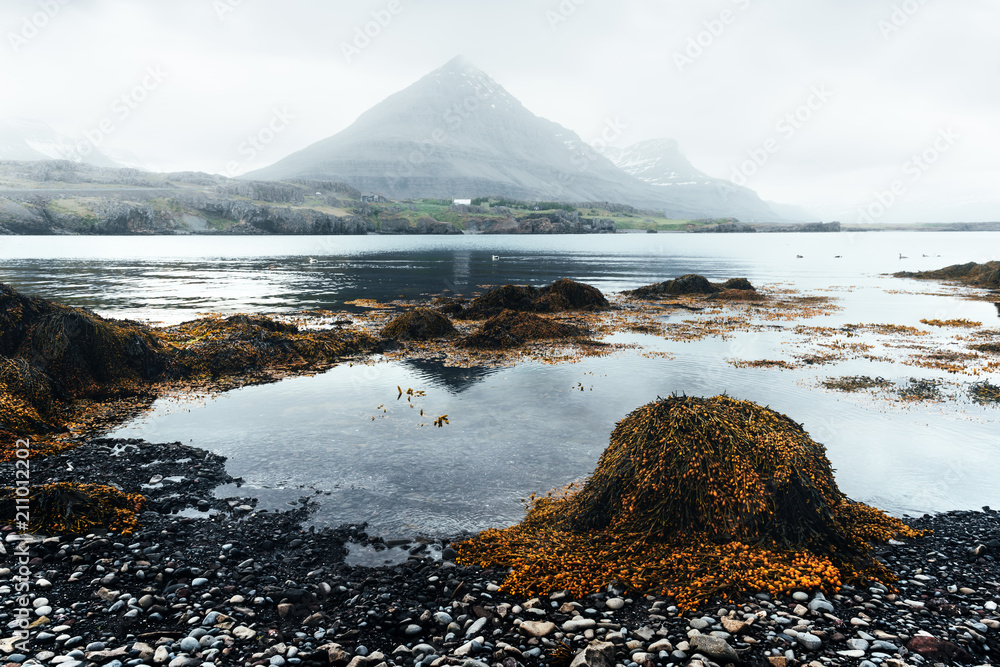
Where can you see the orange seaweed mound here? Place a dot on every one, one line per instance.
(77, 509)
(695, 497)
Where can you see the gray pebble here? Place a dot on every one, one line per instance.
(190, 645)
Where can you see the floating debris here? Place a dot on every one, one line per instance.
(762, 363)
(969, 324)
(920, 390)
(887, 329)
(984, 392)
(738, 295)
(693, 498)
(854, 383)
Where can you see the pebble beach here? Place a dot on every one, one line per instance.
(207, 581)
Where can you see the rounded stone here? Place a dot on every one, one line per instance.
(190, 645)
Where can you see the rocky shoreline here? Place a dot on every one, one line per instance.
(212, 581)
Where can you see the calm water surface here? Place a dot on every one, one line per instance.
(527, 428)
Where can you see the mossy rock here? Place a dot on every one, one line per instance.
(695, 497)
(419, 324)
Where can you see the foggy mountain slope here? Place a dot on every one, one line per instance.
(659, 163)
(22, 139)
(458, 133)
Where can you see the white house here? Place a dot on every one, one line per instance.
(459, 202)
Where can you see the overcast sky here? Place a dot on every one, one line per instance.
(834, 98)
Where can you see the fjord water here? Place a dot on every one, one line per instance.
(343, 435)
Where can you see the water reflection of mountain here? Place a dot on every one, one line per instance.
(454, 379)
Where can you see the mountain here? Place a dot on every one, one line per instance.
(660, 164)
(456, 133)
(23, 139)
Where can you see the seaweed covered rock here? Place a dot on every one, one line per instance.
(691, 283)
(88, 356)
(26, 401)
(507, 297)
(692, 498)
(562, 295)
(741, 284)
(565, 294)
(17, 313)
(511, 329)
(985, 275)
(448, 305)
(243, 345)
(51, 355)
(68, 508)
(83, 354)
(419, 324)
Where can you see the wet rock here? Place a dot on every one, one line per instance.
(937, 649)
(595, 654)
(715, 648)
(537, 628)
